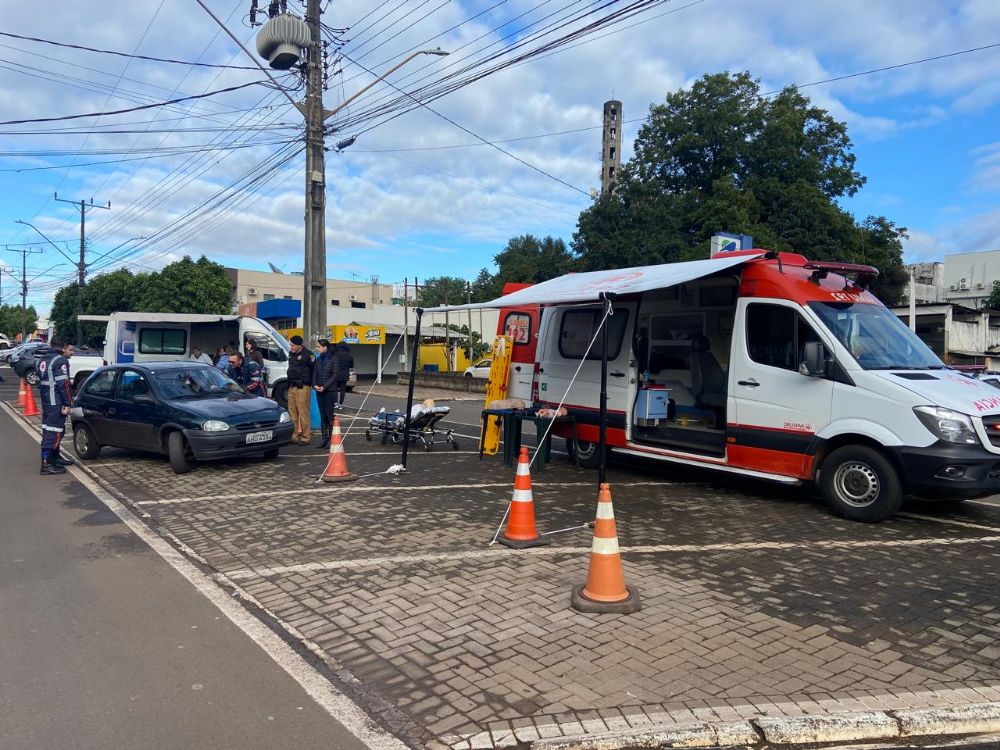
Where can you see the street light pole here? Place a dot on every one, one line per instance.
(314, 314)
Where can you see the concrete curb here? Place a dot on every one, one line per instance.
(977, 718)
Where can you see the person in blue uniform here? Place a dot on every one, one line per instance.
(56, 396)
(247, 373)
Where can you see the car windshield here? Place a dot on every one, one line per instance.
(876, 338)
(194, 382)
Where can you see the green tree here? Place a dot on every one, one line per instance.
(993, 303)
(442, 290)
(62, 316)
(188, 286)
(722, 157)
(526, 259)
(14, 321)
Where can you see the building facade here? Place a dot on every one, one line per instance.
(963, 278)
(611, 146)
(261, 286)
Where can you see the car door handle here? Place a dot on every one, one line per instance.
(751, 382)
(617, 374)
(112, 411)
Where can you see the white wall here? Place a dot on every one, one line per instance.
(977, 271)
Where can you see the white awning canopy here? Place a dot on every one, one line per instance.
(587, 287)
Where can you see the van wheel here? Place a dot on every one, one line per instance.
(860, 484)
(181, 458)
(586, 454)
(280, 394)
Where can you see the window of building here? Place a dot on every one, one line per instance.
(614, 114)
(102, 384)
(577, 327)
(355, 303)
(776, 335)
(162, 341)
(613, 131)
(611, 153)
(611, 173)
(335, 303)
(268, 296)
(287, 296)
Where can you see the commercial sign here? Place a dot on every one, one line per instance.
(355, 333)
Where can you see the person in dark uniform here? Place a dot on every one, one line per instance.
(247, 373)
(300, 380)
(325, 373)
(345, 363)
(56, 394)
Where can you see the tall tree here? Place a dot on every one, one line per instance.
(188, 286)
(722, 157)
(441, 290)
(526, 259)
(13, 320)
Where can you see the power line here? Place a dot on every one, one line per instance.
(135, 109)
(123, 54)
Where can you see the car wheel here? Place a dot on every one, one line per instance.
(468, 375)
(280, 394)
(85, 442)
(181, 458)
(31, 377)
(860, 484)
(586, 454)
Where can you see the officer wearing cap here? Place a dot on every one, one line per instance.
(56, 394)
(300, 378)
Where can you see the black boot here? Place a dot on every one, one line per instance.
(326, 437)
(63, 459)
(49, 468)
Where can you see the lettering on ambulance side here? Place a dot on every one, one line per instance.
(866, 298)
(798, 427)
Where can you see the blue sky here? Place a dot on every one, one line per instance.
(417, 195)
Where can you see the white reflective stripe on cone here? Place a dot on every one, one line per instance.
(603, 546)
(521, 496)
(605, 510)
(522, 469)
(336, 448)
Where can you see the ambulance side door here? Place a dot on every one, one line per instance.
(778, 411)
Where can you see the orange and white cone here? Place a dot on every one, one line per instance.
(30, 407)
(605, 589)
(336, 464)
(521, 532)
(22, 394)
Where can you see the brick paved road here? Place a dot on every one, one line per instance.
(755, 599)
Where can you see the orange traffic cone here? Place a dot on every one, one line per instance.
(21, 394)
(521, 531)
(336, 464)
(30, 407)
(605, 589)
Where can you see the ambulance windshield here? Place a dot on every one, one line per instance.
(876, 338)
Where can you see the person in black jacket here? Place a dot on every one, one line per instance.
(300, 382)
(345, 364)
(325, 373)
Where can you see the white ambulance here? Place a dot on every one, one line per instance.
(769, 366)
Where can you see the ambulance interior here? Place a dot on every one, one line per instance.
(682, 344)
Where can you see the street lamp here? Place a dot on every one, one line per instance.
(28, 224)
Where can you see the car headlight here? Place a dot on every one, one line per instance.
(215, 425)
(285, 417)
(950, 426)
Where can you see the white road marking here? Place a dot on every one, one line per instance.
(341, 708)
(348, 488)
(949, 521)
(480, 554)
(995, 504)
(360, 454)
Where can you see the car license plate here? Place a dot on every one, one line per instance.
(260, 437)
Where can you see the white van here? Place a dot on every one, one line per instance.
(767, 366)
(154, 337)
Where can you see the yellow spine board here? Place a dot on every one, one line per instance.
(496, 388)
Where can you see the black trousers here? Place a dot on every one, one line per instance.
(53, 427)
(341, 391)
(326, 401)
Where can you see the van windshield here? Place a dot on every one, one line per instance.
(876, 338)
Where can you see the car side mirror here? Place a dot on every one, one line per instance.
(814, 362)
(143, 398)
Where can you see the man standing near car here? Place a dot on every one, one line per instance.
(345, 363)
(300, 378)
(325, 373)
(56, 394)
(247, 373)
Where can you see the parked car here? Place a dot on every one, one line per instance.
(186, 410)
(4, 342)
(479, 370)
(81, 364)
(15, 354)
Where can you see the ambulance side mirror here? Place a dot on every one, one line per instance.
(814, 362)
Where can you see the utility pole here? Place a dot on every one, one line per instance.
(81, 267)
(468, 300)
(25, 252)
(406, 319)
(314, 302)
(447, 330)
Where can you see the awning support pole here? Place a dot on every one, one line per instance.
(602, 444)
(409, 390)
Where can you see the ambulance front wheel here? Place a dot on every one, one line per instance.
(586, 454)
(860, 484)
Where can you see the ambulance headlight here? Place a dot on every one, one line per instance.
(950, 426)
(215, 425)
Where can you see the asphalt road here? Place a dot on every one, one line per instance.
(104, 645)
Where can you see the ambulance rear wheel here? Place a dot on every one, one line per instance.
(586, 454)
(860, 484)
